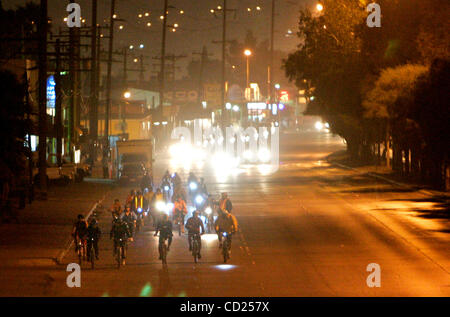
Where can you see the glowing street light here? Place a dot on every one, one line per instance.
(248, 53)
(127, 94)
(319, 7)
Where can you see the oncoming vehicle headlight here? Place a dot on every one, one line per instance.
(166, 188)
(193, 186)
(208, 210)
(139, 210)
(319, 125)
(160, 205)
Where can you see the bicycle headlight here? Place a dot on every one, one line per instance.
(166, 188)
(199, 199)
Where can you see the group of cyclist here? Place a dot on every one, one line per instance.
(140, 203)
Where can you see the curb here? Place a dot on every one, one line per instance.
(422, 191)
(70, 242)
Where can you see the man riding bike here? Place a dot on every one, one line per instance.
(79, 232)
(130, 219)
(225, 203)
(202, 187)
(226, 222)
(93, 235)
(180, 211)
(130, 197)
(165, 232)
(120, 233)
(116, 208)
(193, 225)
(146, 182)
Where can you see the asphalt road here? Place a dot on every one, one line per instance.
(309, 229)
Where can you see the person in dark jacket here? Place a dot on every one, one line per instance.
(93, 236)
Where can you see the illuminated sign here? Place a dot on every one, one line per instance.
(51, 94)
(256, 106)
(284, 96)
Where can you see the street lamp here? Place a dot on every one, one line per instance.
(127, 94)
(319, 7)
(248, 53)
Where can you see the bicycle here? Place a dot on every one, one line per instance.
(81, 250)
(226, 246)
(91, 253)
(196, 247)
(120, 253)
(163, 250)
(179, 223)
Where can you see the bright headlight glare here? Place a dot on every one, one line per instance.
(160, 205)
(208, 210)
(199, 199)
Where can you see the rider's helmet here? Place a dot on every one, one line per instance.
(139, 193)
(93, 221)
(116, 200)
(80, 217)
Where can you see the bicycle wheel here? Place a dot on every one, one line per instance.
(195, 251)
(119, 256)
(80, 255)
(225, 251)
(92, 257)
(164, 253)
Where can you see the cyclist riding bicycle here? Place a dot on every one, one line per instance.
(226, 222)
(225, 203)
(130, 197)
(120, 233)
(180, 211)
(79, 231)
(116, 208)
(93, 235)
(193, 225)
(165, 232)
(130, 219)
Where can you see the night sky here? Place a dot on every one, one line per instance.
(197, 26)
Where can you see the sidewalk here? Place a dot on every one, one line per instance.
(383, 173)
(44, 227)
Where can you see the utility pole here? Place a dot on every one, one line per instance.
(125, 67)
(204, 58)
(93, 109)
(270, 77)
(224, 45)
(42, 97)
(58, 102)
(163, 58)
(141, 69)
(108, 75)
